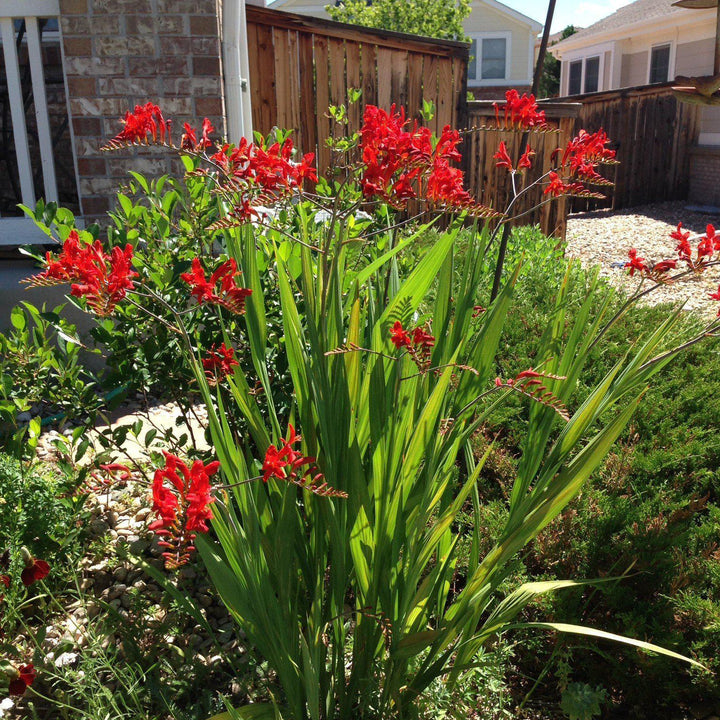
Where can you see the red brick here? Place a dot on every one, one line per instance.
(206, 66)
(81, 86)
(87, 126)
(194, 7)
(203, 25)
(208, 106)
(91, 166)
(119, 7)
(155, 25)
(175, 46)
(206, 45)
(95, 67)
(73, 7)
(75, 25)
(122, 46)
(96, 206)
(150, 67)
(77, 46)
(144, 86)
(105, 25)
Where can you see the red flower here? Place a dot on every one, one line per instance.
(26, 675)
(283, 463)
(502, 157)
(712, 237)
(399, 336)
(526, 159)
(520, 112)
(705, 248)
(103, 280)
(556, 186)
(636, 263)
(683, 248)
(182, 498)
(664, 265)
(34, 570)
(419, 345)
(220, 362)
(144, 124)
(229, 295)
(422, 339)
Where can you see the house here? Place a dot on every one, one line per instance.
(648, 42)
(503, 44)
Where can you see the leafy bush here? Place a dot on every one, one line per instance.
(342, 550)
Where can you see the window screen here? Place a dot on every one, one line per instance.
(575, 84)
(660, 64)
(494, 53)
(592, 74)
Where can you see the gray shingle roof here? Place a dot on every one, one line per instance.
(639, 11)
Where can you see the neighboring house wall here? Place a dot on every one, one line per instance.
(119, 53)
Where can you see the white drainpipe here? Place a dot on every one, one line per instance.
(237, 70)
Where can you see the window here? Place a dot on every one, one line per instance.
(575, 84)
(660, 64)
(494, 58)
(592, 74)
(489, 57)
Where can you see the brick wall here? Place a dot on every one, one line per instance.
(119, 53)
(705, 176)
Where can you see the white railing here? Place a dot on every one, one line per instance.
(17, 230)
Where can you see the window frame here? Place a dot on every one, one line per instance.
(600, 57)
(581, 62)
(583, 55)
(477, 61)
(671, 60)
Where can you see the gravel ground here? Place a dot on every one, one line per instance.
(603, 238)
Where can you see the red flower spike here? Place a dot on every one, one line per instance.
(556, 187)
(102, 279)
(525, 162)
(144, 125)
(290, 465)
(26, 675)
(34, 570)
(219, 362)
(400, 337)
(181, 497)
(716, 296)
(636, 264)
(502, 157)
(520, 112)
(229, 295)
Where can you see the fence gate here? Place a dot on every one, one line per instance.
(35, 142)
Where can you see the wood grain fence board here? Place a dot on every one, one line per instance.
(352, 53)
(322, 101)
(307, 129)
(384, 77)
(430, 91)
(399, 79)
(368, 66)
(267, 110)
(281, 46)
(445, 101)
(294, 120)
(415, 85)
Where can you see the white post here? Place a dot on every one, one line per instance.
(237, 70)
(41, 110)
(17, 111)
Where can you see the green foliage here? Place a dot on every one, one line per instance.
(583, 702)
(430, 18)
(42, 373)
(39, 510)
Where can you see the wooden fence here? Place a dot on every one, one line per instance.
(492, 186)
(653, 134)
(299, 66)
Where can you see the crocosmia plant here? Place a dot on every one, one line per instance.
(327, 514)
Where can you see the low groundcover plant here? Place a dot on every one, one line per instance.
(329, 525)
